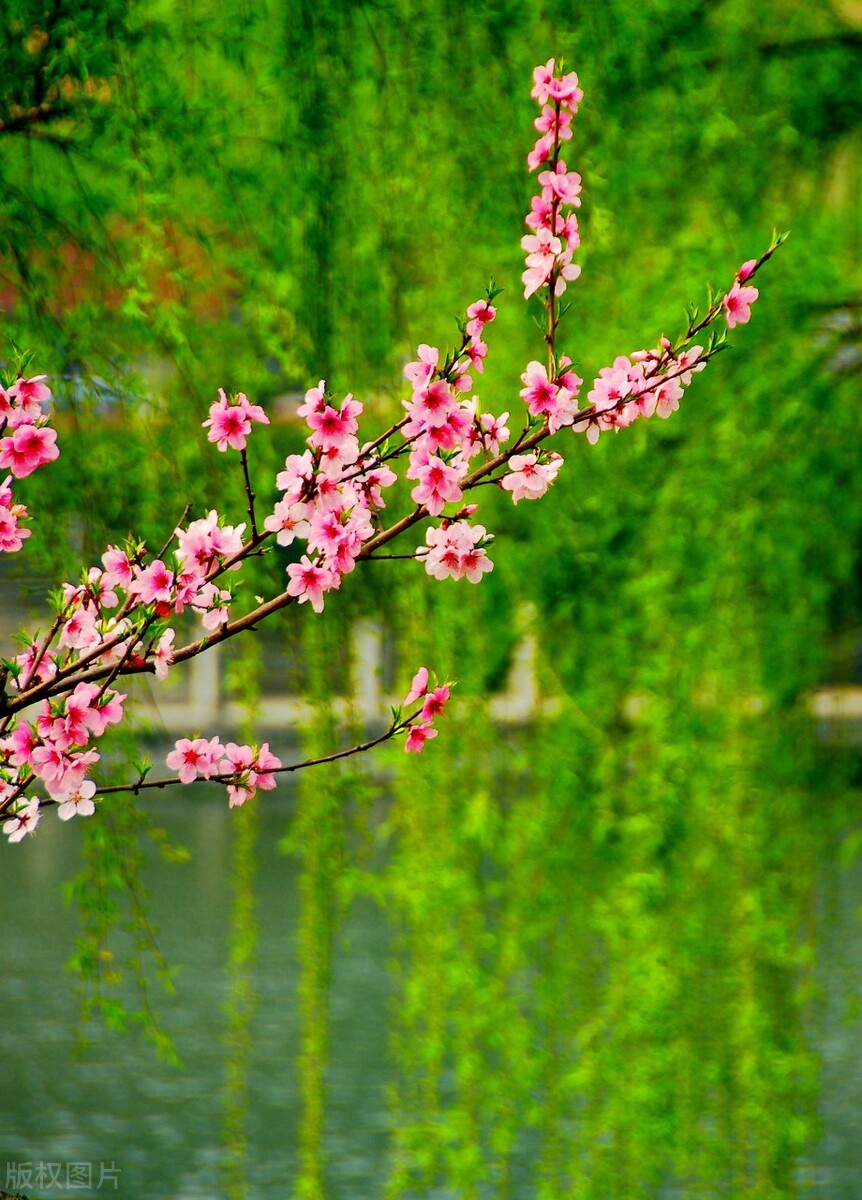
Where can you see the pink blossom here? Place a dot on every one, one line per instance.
(528, 479)
(687, 363)
(495, 431)
(238, 758)
(31, 393)
(561, 184)
(101, 588)
(98, 711)
(458, 376)
(163, 654)
(539, 392)
(430, 406)
(667, 398)
(541, 152)
(556, 124)
(59, 769)
(265, 763)
(230, 424)
(437, 486)
(599, 425)
(449, 435)
(192, 758)
(327, 491)
(50, 763)
(337, 456)
(187, 584)
(737, 305)
(542, 248)
(153, 584)
(419, 373)
(211, 604)
(541, 213)
(479, 314)
(417, 735)
(28, 448)
(419, 686)
(23, 821)
(544, 397)
(54, 732)
(746, 270)
(20, 744)
(454, 551)
(46, 668)
(77, 801)
(12, 536)
(435, 703)
(79, 632)
(205, 542)
(252, 770)
(570, 381)
(474, 564)
(567, 231)
(331, 427)
(118, 568)
(612, 386)
(566, 91)
(75, 720)
(309, 581)
(373, 481)
(534, 278)
(326, 531)
(567, 274)
(238, 794)
(477, 350)
(315, 400)
(297, 474)
(543, 77)
(253, 412)
(289, 520)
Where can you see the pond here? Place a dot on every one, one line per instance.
(479, 975)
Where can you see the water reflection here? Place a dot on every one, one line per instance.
(527, 970)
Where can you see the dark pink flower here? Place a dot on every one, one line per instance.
(737, 304)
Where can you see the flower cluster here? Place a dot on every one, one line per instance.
(117, 620)
(649, 383)
(445, 433)
(330, 495)
(456, 550)
(738, 301)
(420, 728)
(555, 234)
(529, 478)
(229, 422)
(555, 400)
(243, 768)
(112, 623)
(55, 749)
(29, 443)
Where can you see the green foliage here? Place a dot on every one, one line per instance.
(603, 958)
(117, 957)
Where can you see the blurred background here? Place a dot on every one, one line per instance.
(610, 951)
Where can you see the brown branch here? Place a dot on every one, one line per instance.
(250, 496)
(233, 778)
